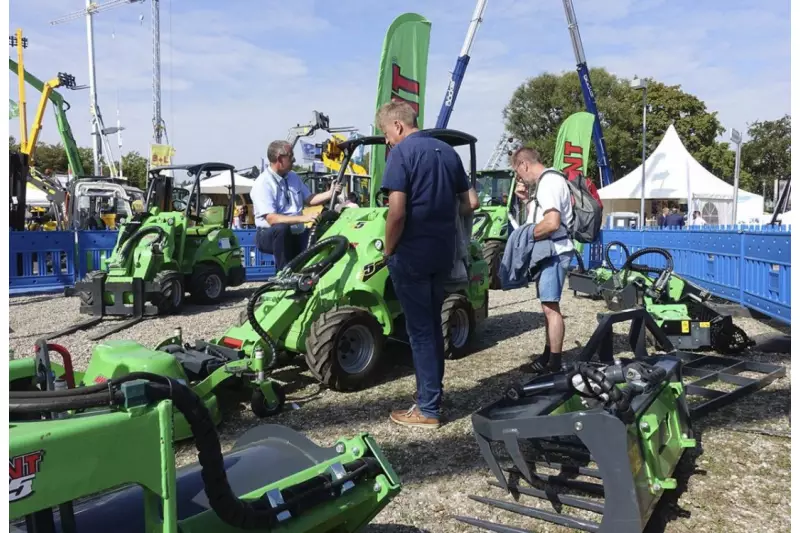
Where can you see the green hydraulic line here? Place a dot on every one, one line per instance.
(60, 106)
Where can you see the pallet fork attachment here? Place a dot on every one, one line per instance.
(137, 310)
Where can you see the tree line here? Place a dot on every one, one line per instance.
(540, 104)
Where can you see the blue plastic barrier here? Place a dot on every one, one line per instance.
(257, 265)
(94, 244)
(92, 247)
(750, 265)
(40, 261)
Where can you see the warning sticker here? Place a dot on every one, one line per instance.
(705, 324)
(684, 326)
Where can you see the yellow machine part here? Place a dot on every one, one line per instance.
(332, 157)
(110, 220)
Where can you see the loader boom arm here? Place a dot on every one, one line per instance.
(60, 106)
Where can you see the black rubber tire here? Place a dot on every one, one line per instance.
(453, 304)
(321, 348)
(86, 296)
(163, 302)
(259, 405)
(197, 283)
(493, 255)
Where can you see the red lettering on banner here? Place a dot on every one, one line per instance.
(400, 82)
(573, 163)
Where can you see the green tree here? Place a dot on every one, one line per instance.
(767, 155)
(539, 106)
(134, 167)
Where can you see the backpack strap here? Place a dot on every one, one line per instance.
(536, 204)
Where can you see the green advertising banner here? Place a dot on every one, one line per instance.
(574, 142)
(401, 76)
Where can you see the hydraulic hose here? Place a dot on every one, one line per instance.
(340, 248)
(242, 514)
(646, 269)
(238, 513)
(55, 404)
(608, 258)
(85, 391)
(621, 399)
(123, 253)
(326, 216)
(339, 244)
(483, 220)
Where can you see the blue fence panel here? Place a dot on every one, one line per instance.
(257, 265)
(767, 269)
(41, 261)
(92, 247)
(749, 265)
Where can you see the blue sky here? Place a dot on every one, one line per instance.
(238, 74)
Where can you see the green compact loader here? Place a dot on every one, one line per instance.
(100, 458)
(680, 308)
(176, 245)
(335, 302)
(500, 212)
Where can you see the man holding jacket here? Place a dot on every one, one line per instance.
(550, 211)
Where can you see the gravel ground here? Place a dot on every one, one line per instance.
(743, 468)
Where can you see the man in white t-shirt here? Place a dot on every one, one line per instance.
(551, 212)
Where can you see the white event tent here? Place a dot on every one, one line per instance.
(671, 173)
(221, 183)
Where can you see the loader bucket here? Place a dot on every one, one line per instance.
(596, 471)
(273, 464)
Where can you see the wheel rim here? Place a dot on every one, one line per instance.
(459, 328)
(355, 349)
(213, 286)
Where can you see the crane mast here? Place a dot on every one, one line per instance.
(588, 94)
(457, 76)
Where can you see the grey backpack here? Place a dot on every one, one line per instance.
(587, 214)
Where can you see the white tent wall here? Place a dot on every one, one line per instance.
(672, 174)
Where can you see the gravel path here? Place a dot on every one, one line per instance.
(742, 470)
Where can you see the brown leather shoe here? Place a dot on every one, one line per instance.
(414, 418)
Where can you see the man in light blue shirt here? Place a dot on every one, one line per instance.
(279, 196)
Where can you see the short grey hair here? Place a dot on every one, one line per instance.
(396, 110)
(525, 153)
(277, 149)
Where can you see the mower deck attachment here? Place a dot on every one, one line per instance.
(137, 310)
(600, 440)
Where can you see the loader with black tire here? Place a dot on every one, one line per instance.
(335, 302)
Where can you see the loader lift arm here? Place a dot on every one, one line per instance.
(60, 106)
(606, 177)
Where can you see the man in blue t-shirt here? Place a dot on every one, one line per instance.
(427, 187)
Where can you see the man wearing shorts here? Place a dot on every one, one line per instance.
(551, 212)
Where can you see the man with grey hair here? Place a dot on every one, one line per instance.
(279, 196)
(427, 187)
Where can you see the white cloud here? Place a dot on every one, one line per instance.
(232, 82)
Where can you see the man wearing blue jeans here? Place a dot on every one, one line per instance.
(427, 187)
(551, 212)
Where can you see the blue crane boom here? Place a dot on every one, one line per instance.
(457, 75)
(588, 95)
